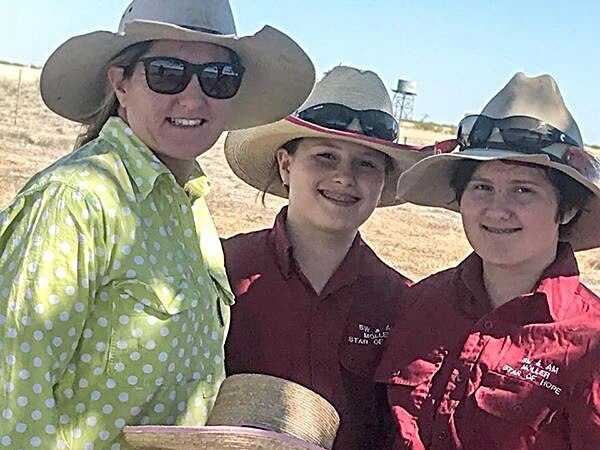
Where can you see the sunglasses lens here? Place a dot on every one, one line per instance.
(473, 130)
(220, 80)
(329, 115)
(166, 75)
(526, 139)
(379, 124)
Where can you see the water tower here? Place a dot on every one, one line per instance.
(404, 99)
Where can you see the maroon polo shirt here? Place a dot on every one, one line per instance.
(526, 375)
(330, 343)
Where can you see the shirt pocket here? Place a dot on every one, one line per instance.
(409, 383)
(360, 360)
(157, 341)
(515, 401)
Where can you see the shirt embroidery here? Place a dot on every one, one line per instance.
(369, 334)
(537, 371)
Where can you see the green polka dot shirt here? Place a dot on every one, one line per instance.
(114, 302)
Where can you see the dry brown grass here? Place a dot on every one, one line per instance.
(417, 241)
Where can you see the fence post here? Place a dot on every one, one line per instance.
(18, 95)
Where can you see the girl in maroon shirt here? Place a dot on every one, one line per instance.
(314, 303)
(503, 351)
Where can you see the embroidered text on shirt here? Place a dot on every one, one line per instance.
(370, 335)
(537, 371)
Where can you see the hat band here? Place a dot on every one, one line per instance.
(201, 29)
(574, 157)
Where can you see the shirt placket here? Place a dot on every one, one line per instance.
(456, 388)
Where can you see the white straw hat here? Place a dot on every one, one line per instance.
(252, 411)
(428, 182)
(278, 73)
(251, 153)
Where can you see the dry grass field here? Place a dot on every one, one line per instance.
(415, 240)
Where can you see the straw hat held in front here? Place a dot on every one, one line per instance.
(252, 411)
(275, 73)
(526, 122)
(349, 105)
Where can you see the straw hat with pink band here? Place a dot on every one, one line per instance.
(527, 121)
(277, 73)
(252, 411)
(347, 104)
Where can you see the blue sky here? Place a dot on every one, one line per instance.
(459, 52)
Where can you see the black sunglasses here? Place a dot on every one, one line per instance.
(527, 135)
(167, 75)
(519, 133)
(374, 123)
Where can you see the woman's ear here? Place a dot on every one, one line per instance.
(118, 82)
(283, 163)
(568, 216)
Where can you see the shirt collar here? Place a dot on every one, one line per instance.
(555, 289)
(142, 165)
(349, 270)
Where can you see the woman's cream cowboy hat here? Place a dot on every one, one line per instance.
(278, 74)
(252, 411)
(428, 182)
(251, 153)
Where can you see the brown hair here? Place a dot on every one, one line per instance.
(110, 105)
(569, 193)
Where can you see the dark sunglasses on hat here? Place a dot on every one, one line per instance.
(374, 123)
(167, 75)
(527, 135)
(518, 133)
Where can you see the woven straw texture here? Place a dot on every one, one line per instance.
(252, 411)
(275, 404)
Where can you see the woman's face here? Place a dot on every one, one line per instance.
(178, 126)
(509, 214)
(334, 186)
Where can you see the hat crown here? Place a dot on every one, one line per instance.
(537, 97)
(357, 89)
(200, 15)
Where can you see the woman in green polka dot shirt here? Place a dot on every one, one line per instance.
(114, 301)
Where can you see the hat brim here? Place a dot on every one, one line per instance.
(156, 437)
(427, 183)
(278, 77)
(251, 153)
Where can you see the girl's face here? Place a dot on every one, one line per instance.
(509, 214)
(334, 186)
(175, 126)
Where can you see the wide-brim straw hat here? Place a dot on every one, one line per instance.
(278, 74)
(252, 411)
(427, 183)
(251, 153)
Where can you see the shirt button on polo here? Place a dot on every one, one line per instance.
(397, 373)
(460, 378)
(442, 436)
(517, 408)
(488, 324)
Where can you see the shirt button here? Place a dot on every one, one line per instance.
(397, 373)
(488, 324)
(442, 436)
(460, 378)
(518, 408)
